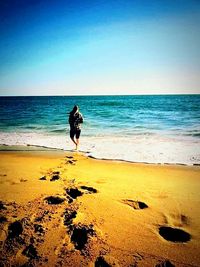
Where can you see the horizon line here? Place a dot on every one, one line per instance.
(101, 95)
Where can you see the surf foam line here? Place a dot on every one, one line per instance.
(146, 149)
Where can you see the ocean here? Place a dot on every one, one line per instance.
(146, 128)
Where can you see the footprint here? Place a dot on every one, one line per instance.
(55, 176)
(89, 189)
(15, 229)
(73, 193)
(3, 219)
(23, 180)
(100, 262)
(69, 215)
(165, 263)
(43, 178)
(54, 200)
(30, 252)
(174, 234)
(71, 161)
(80, 235)
(106, 261)
(137, 205)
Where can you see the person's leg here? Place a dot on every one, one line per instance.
(72, 134)
(77, 143)
(78, 132)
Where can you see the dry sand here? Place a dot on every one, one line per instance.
(64, 209)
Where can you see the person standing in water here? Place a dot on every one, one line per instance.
(75, 119)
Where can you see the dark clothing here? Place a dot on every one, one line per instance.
(75, 132)
(75, 119)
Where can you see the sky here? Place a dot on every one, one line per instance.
(73, 47)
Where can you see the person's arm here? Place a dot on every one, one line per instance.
(80, 118)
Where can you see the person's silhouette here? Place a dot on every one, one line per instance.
(75, 119)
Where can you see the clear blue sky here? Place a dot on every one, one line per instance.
(99, 47)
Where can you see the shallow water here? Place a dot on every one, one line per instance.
(137, 128)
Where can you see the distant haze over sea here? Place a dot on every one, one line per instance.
(142, 128)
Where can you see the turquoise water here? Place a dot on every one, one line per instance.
(115, 119)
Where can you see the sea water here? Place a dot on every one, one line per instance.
(146, 128)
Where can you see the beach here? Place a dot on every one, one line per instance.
(99, 133)
(63, 208)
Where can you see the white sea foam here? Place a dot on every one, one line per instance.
(141, 148)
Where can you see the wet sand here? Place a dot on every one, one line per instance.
(64, 209)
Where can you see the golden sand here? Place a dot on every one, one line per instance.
(64, 209)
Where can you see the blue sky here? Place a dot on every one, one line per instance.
(99, 47)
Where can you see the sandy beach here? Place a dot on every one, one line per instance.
(65, 209)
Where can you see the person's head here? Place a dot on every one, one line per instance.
(75, 109)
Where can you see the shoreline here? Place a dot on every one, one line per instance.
(31, 148)
(142, 148)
